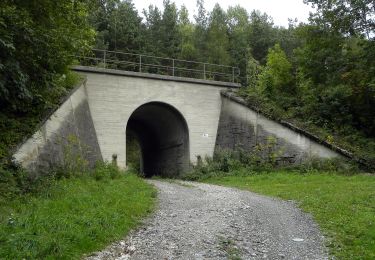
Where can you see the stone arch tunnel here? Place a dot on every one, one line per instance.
(163, 137)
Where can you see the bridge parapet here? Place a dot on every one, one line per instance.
(100, 70)
(159, 65)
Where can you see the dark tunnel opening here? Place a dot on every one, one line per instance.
(161, 135)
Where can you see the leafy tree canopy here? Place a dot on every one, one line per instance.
(355, 18)
(38, 39)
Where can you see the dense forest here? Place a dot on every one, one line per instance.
(319, 74)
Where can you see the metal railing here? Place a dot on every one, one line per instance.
(159, 65)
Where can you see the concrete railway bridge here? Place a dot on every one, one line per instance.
(176, 119)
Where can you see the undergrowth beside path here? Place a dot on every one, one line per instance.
(73, 217)
(343, 206)
(345, 136)
(18, 126)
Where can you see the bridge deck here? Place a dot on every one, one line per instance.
(155, 76)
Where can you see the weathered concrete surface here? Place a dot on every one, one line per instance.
(201, 221)
(242, 127)
(115, 95)
(100, 112)
(72, 120)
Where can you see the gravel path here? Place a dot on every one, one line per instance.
(202, 221)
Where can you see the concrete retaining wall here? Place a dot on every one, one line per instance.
(115, 95)
(242, 127)
(97, 114)
(72, 120)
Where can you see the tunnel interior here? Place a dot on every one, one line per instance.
(161, 135)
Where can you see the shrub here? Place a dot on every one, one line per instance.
(263, 158)
(104, 170)
(315, 164)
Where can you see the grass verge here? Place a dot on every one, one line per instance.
(343, 206)
(73, 217)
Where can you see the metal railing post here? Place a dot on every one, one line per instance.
(104, 54)
(173, 67)
(179, 67)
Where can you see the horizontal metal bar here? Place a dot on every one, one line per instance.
(162, 66)
(137, 61)
(158, 57)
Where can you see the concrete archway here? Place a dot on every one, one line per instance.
(163, 137)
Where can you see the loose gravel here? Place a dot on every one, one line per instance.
(202, 221)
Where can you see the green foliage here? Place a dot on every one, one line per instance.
(106, 171)
(163, 32)
(186, 32)
(42, 215)
(118, 26)
(355, 18)
(13, 181)
(335, 74)
(73, 161)
(229, 38)
(200, 32)
(153, 25)
(133, 153)
(188, 50)
(38, 39)
(332, 93)
(344, 135)
(16, 126)
(336, 165)
(253, 71)
(277, 76)
(169, 30)
(265, 157)
(229, 246)
(239, 49)
(217, 37)
(343, 206)
(73, 217)
(261, 35)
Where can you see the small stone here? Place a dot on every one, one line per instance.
(131, 249)
(123, 257)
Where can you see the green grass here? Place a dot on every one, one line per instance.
(229, 246)
(343, 206)
(73, 217)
